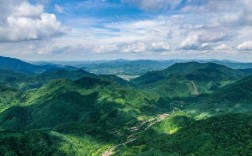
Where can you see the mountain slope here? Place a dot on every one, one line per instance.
(73, 112)
(9, 97)
(25, 81)
(86, 106)
(188, 79)
(18, 65)
(181, 135)
(236, 97)
(186, 69)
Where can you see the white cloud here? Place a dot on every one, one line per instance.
(134, 47)
(154, 4)
(23, 21)
(160, 46)
(106, 48)
(191, 42)
(201, 39)
(27, 10)
(222, 47)
(206, 30)
(245, 46)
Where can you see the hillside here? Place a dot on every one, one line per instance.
(182, 135)
(186, 109)
(9, 97)
(236, 97)
(18, 65)
(186, 69)
(188, 79)
(27, 81)
(88, 106)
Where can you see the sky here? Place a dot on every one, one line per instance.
(51, 30)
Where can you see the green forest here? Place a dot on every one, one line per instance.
(170, 109)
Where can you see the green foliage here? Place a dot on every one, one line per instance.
(61, 112)
(29, 143)
(221, 135)
(9, 97)
(188, 79)
(232, 98)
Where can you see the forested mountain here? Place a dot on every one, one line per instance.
(188, 79)
(186, 109)
(182, 135)
(18, 65)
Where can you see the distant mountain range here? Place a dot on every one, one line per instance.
(115, 67)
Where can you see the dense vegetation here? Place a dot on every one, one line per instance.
(188, 79)
(186, 109)
(182, 135)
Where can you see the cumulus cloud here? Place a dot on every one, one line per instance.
(245, 46)
(222, 47)
(201, 40)
(230, 12)
(22, 21)
(134, 47)
(160, 46)
(194, 28)
(154, 4)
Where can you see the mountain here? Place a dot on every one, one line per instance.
(135, 68)
(232, 98)
(185, 69)
(13, 78)
(233, 64)
(180, 134)
(186, 109)
(125, 67)
(21, 66)
(188, 79)
(88, 106)
(62, 73)
(9, 97)
(247, 71)
(26, 81)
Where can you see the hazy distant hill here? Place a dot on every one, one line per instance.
(18, 65)
(125, 67)
(140, 67)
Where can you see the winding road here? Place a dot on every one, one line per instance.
(136, 130)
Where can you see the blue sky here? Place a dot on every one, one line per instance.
(127, 29)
